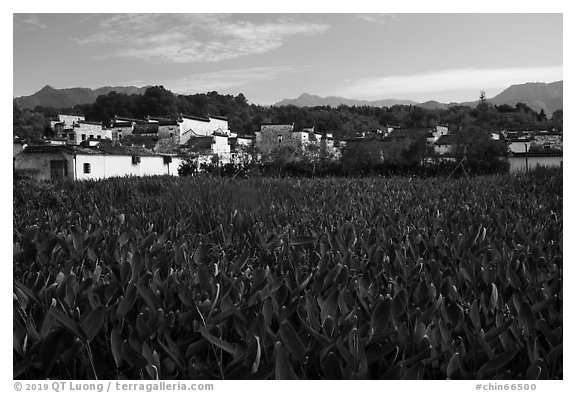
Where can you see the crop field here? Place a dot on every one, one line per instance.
(210, 278)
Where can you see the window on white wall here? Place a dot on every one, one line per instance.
(87, 167)
(83, 137)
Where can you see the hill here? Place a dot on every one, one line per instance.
(546, 96)
(309, 100)
(69, 97)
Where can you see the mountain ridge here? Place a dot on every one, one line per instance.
(49, 96)
(537, 95)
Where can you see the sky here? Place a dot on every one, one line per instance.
(269, 57)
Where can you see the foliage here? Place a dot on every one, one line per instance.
(28, 125)
(479, 153)
(373, 278)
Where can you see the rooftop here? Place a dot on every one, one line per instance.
(277, 127)
(410, 133)
(205, 119)
(218, 117)
(445, 140)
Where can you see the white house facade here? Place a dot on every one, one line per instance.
(53, 163)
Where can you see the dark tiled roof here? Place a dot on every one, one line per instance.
(119, 118)
(38, 149)
(410, 133)
(97, 123)
(199, 144)
(276, 127)
(146, 128)
(218, 117)
(445, 140)
(121, 124)
(196, 118)
(167, 123)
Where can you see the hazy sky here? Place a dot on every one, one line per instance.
(268, 57)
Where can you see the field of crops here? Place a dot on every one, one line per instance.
(209, 278)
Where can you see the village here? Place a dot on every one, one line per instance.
(83, 150)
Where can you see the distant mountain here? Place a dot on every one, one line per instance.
(66, 98)
(309, 100)
(433, 105)
(547, 96)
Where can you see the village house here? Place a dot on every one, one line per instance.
(92, 160)
(121, 129)
(145, 130)
(272, 136)
(194, 126)
(519, 145)
(439, 131)
(241, 149)
(547, 141)
(65, 121)
(444, 145)
(86, 130)
(307, 140)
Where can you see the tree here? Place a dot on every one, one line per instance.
(157, 101)
(361, 157)
(28, 125)
(557, 119)
(541, 116)
(479, 153)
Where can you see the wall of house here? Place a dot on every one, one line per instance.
(442, 149)
(193, 127)
(104, 166)
(37, 166)
(273, 136)
(220, 145)
(69, 120)
(519, 146)
(87, 129)
(165, 131)
(301, 136)
(117, 131)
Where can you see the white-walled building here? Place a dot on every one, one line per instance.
(52, 163)
(121, 129)
(67, 121)
(220, 144)
(193, 126)
(517, 146)
(439, 131)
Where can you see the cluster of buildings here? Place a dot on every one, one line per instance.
(532, 142)
(157, 146)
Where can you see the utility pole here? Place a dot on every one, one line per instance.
(526, 155)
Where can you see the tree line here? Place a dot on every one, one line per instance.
(245, 118)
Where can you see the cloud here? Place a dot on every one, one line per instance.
(194, 38)
(220, 80)
(28, 22)
(444, 80)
